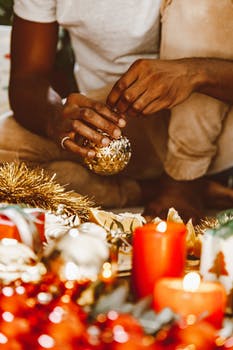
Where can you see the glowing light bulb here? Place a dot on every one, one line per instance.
(107, 270)
(46, 341)
(191, 282)
(3, 339)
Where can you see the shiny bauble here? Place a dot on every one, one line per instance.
(111, 159)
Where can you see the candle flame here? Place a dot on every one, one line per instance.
(191, 282)
(162, 226)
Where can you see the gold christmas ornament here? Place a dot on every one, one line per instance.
(111, 159)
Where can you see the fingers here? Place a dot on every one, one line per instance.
(82, 120)
(95, 114)
(72, 146)
(96, 121)
(106, 113)
(76, 102)
(122, 84)
(71, 111)
(90, 134)
(130, 97)
(142, 97)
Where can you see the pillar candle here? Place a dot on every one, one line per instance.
(159, 250)
(191, 297)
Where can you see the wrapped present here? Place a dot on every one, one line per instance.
(26, 225)
(216, 257)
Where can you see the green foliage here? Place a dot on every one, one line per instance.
(6, 10)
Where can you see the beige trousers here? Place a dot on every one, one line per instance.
(200, 129)
(196, 139)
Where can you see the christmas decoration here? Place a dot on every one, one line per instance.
(23, 224)
(66, 294)
(17, 261)
(206, 223)
(159, 250)
(225, 216)
(192, 296)
(216, 258)
(79, 254)
(57, 225)
(20, 184)
(111, 159)
(112, 222)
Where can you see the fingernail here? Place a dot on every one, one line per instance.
(91, 154)
(116, 133)
(105, 141)
(121, 122)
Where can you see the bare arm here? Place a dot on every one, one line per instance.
(38, 107)
(217, 78)
(151, 85)
(33, 49)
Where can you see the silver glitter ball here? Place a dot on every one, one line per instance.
(111, 159)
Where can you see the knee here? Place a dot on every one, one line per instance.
(203, 29)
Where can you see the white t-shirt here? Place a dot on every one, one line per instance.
(107, 35)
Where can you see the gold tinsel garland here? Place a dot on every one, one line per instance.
(33, 187)
(206, 223)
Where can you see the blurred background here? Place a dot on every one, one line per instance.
(63, 79)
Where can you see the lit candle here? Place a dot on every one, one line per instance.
(191, 298)
(159, 250)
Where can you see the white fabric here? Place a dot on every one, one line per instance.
(5, 34)
(107, 35)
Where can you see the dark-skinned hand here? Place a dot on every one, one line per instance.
(151, 85)
(82, 119)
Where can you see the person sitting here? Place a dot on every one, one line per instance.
(171, 96)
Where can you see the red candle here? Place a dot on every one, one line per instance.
(159, 250)
(191, 298)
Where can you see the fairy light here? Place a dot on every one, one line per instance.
(46, 341)
(20, 290)
(44, 298)
(7, 316)
(107, 271)
(69, 284)
(113, 315)
(3, 339)
(7, 291)
(120, 335)
(56, 315)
